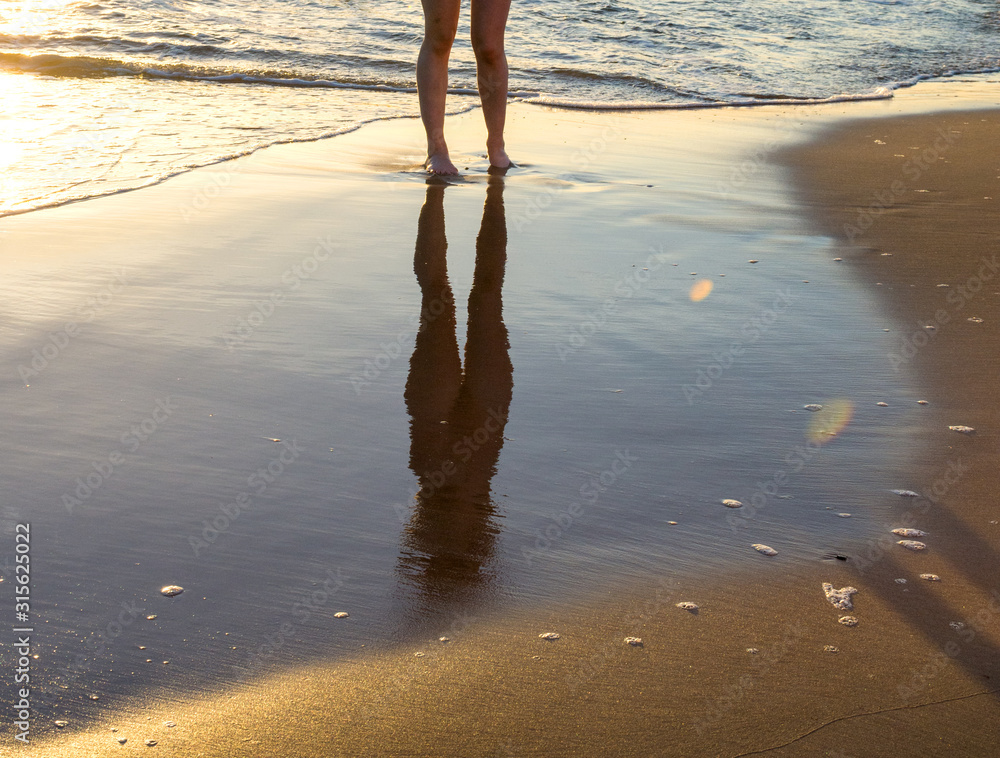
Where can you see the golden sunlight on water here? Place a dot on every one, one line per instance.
(30, 17)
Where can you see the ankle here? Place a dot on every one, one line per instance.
(437, 146)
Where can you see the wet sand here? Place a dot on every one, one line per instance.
(901, 682)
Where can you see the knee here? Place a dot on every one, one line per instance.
(439, 43)
(488, 52)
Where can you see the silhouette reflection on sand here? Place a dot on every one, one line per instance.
(458, 411)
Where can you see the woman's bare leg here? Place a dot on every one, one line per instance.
(489, 21)
(440, 24)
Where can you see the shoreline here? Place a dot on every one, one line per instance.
(654, 702)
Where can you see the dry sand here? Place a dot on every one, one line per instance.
(903, 682)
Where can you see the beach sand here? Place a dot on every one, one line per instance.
(902, 682)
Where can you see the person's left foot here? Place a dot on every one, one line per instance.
(499, 158)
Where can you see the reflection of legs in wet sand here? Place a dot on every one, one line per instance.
(450, 536)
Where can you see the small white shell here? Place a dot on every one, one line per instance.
(930, 577)
(764, 549)
(171, 589)
(549, 636)
(633, 641)
(906, 493)
(962, 429)
(341, 615)
(730, 503)
(912, 544)
(813, 407)
(831, 649)
(848, 620)
(903, 532)
(688, 606)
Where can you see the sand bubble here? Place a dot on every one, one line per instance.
(841, 598)
(903, 532)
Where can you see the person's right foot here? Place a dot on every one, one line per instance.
(440, 164)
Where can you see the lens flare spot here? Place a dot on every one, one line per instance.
(829, 422)
(700, 290)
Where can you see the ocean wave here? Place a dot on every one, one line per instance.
(742, 100)
(881, 93)
(83, 66)
(149, 181)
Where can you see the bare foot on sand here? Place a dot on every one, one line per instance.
(439, 163)
(498, 157)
